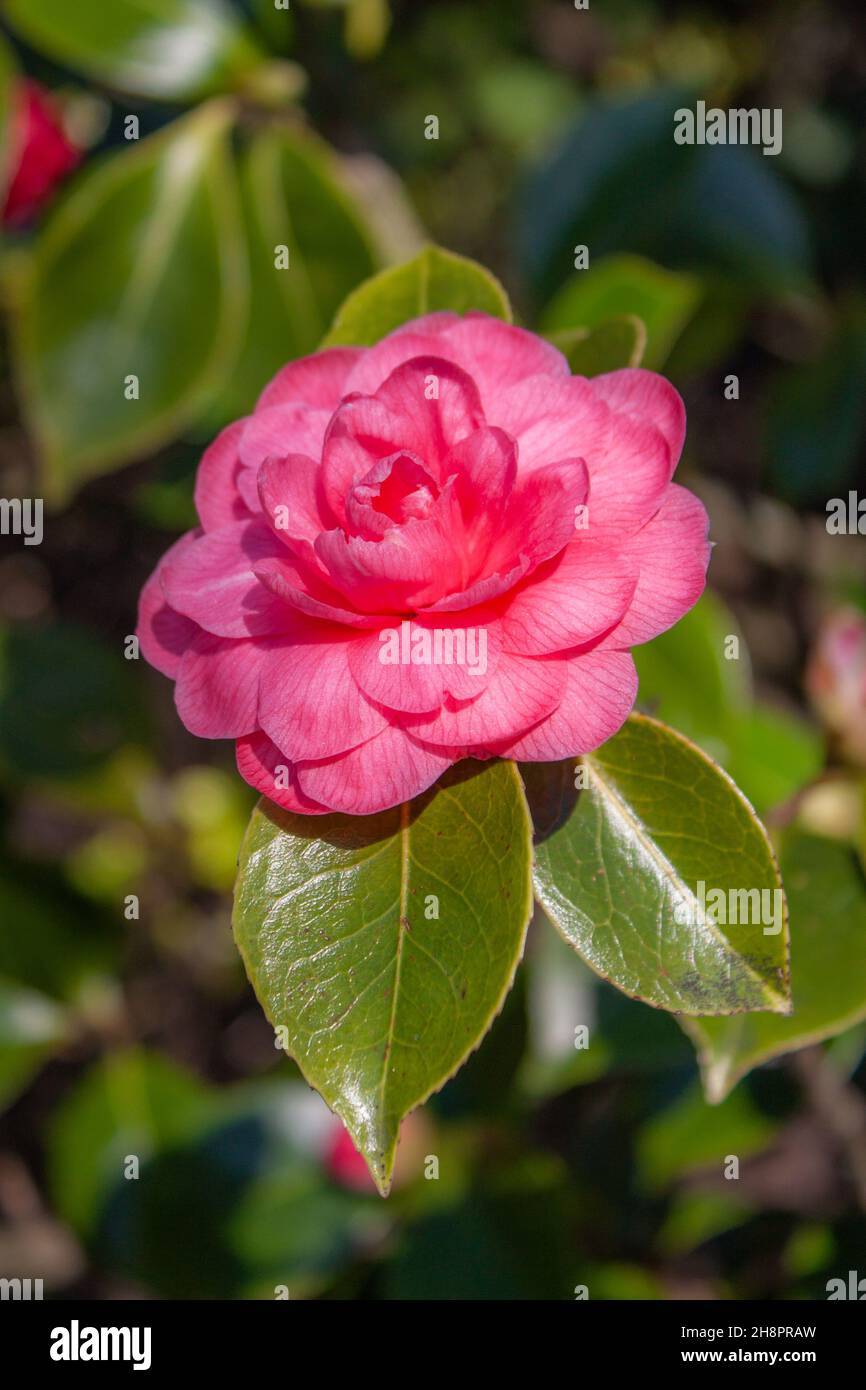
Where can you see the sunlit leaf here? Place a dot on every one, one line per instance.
(384, 945)
(131, 312)
(628, 866)
(434, 279)
(171, 49)
(292, 198)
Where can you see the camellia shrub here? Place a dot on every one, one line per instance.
(421, 564)
(442, 590)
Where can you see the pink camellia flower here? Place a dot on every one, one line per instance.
(439, 547)
(836, 679)
(40, 153)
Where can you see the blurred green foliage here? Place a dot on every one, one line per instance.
(130, 1032)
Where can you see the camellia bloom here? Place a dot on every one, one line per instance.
(41, 153)
(439, 547)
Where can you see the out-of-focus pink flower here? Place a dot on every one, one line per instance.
(836, 679)
(349, 1169)
(40, 153)
(438, 547)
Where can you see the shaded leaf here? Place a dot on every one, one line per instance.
(381, 1002)
(663, 300)
(686, 679)
(67, 701)
(827, 899)
(618, 342)
(620, 864)
(617, 181)
(292, 197)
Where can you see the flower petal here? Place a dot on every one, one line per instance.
(163, 633)
(521, 691)
(217, 499)
(647, 397)
(386, 771)
(262, 764)
(467, 648)
(671, 553)
(318, 380)
(218, 686)
(212, 581)
(599, 696)
(571, 600)
(309, 704)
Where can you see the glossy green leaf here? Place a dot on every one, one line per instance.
(174, 50)
(139, 274)
(620, 864)
(434, 279)
(380, 1001)
(662, 299)
(827, 898)
(292, 198)
(617, 342)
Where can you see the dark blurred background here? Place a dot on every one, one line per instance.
(152, 1139)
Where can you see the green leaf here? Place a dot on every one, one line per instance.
(140, 273)
(618, 862)
(131, 1103)
(691, 1134)
(663, 300)
(686, 679)
(8, 74)
(61, 948)
(618, 342)
(292, 197)
(434, 279)
(381, 1003)
(367, 24)
(67, 701)
(816, 413)
(617, 181)
(827, 898)
(231, 1181)
(773, 755)
(31, 1028)
(175, 50)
